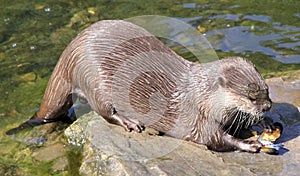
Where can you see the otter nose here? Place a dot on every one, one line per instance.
(266, 106)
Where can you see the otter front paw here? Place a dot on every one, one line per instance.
(250, 146)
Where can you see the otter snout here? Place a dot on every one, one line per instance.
(266, 106)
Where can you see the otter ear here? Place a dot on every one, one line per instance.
(221, 81)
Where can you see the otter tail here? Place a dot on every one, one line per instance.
(35, 121)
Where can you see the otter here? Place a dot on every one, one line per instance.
(133, 80)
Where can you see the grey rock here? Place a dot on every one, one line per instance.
(109, 150)
(284, 90)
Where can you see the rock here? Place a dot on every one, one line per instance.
(60, 164)
(31, 76)
(62, 36)
(50, 152)
(285, 89)
(109, 150)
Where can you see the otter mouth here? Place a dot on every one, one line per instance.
(236, 120)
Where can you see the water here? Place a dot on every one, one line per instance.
(33, 34)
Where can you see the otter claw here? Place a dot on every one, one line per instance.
(137, 127)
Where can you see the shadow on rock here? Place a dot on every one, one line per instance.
(289, 116)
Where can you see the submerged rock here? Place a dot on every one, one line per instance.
(60, 164)
(31, 76)
(50, 152)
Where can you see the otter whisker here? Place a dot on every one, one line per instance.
(237, 120)
(233, 115)
(242, 118)
(236, 124)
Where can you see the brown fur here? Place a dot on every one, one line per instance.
(131, 78)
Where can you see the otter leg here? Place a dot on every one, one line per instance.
(35, 120)
(243, 145)
(54, 107)
(105, 108)
(54, 114)
(128, 124)
(48, 114)
(57, 99)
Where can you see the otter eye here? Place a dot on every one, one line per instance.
(253, 91)
(252, 95)
(251, 98)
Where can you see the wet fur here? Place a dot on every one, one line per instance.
(202, 102)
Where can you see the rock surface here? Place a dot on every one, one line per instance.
(49, 153)
(109, 150)
(285, 89)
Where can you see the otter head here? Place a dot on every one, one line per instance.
(246, 94)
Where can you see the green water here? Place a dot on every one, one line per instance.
(33, 34)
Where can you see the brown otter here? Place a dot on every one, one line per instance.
(132, 79)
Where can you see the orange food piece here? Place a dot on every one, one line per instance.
(271, 136)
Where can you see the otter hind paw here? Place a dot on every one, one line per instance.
(128, 124)
(135, 126)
